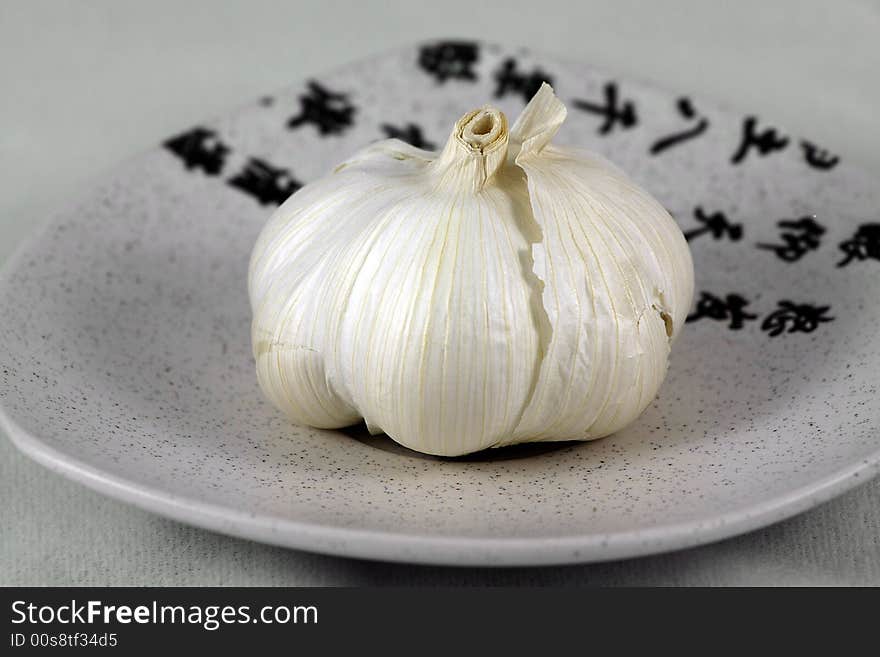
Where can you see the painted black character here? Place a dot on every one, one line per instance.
(863, 245)
(508, 79)
(700, 124)
(796, 317)
(266, 183)
(732, 308)
(716, 224)
(199, 148)
(614, 114)
(798, 237)
(329, 111)
(765, 141)
(450, 59)
(411, 134)
(818, 158)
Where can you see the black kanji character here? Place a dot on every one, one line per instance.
(716, 224)
(732, 308)
(266, 183)
(863, 245)
(199, 149)
(524, 84)
(411, 134)
(818, 158)
(798, 318)
(686, 109)
(799, 236)
(625, 115)
(764, 142)
(450, 59)
(330, 111)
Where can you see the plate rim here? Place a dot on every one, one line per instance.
(416, 548)
(442, 550)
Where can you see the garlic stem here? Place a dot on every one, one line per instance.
(475, 151)
(483, 127)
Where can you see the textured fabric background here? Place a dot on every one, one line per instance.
(85, 85)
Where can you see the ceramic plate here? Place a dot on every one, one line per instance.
(125, 356)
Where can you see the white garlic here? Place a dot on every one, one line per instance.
(503, 290)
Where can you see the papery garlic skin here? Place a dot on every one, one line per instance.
(503, 290)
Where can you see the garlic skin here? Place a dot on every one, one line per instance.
(503, 290)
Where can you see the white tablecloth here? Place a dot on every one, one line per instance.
(86, 84)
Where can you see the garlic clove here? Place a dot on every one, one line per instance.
(437, 352)
(604, 291)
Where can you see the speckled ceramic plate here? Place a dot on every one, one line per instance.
(125, 356)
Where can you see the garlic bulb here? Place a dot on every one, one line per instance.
(500, 291)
